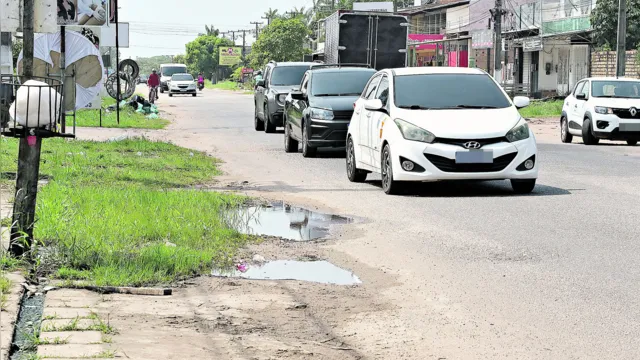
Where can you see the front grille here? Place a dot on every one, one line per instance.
(625, 114)
(460, 142)
(343, 115)
(449, 165)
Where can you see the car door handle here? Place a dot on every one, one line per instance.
(369, 115)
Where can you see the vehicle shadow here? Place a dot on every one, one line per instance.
(464, 188)
(331, 153)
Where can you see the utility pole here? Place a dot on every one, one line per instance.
(622, 37)
(244, 42)
(24, 206)
(268, 20)
(497, 13)
(257, 24)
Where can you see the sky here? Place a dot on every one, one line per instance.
(163, 27)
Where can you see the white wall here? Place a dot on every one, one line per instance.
(6, 60)
(457, 18)
(550, 55)
(10, 18)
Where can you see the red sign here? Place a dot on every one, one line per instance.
(419, 38)
(247, 70)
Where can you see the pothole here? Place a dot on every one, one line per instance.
(322, 272)
(283, 220)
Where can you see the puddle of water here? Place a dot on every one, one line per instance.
(313, 271)
(285, 221)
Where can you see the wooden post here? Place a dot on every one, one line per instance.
(118, 94)
(24, 207)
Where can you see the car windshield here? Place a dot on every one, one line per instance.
(170, 70)
(182, 77)
(340, 83)
(616, 89)
(448, 91)
(288, 75)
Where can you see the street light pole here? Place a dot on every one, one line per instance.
(622, 37)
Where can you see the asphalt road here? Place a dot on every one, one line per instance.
(476, 271)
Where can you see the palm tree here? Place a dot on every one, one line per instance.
(270, 15)
(211, 30)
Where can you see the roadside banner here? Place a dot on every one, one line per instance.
(230, 56)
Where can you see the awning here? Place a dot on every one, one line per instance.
(466, 37)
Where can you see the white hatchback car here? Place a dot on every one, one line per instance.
(602, 108)
(440, 123)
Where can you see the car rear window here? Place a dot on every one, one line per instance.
(448, 91)
(340, 83)
(288, 75)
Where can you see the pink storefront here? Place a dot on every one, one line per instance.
(435, 50)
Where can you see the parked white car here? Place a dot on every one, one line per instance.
(183, 84)
(439, 123)
(602, 108)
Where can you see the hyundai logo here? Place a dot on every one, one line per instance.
(472, 145)
(633, 111)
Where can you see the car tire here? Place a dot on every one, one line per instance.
(161, 90)
(565, 135)
(587, 134)
(389, 185)
(307, 151)
(170, 95)
(523, 186)
(353, 173)
(290, 144)
(269, 127)
(257, 123)
(194, 95)
(632, 142)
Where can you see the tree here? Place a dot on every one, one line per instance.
(203, 54)
(283, 40)
(179, 59)
(210, 30)
(16, 48)
(604, 20)
(271, 14)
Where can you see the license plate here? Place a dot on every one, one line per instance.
(474, 157)
(183, 90)
(630, 127)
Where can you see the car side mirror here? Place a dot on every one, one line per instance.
(297, 95)
(581, 96)
(521, 101)
(260, 83)
(373, 105)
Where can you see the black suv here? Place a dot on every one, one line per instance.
(318, 114)
(279, 79)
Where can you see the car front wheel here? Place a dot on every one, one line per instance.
(587, 134)
(290, 144)
(565, 136)
(389, 185)
(353, 173)
(269, 127)
(307, 150)
(632, 142)
(523, 186)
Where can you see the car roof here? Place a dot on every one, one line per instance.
(609, 78)
(181, 74)
(342, 69)
(292, 63)
(426, 70)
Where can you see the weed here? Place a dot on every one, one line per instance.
(71, 326)
(50, 317)
(542, 109)
(106, 354)
(106, 339)
(5, 287)
(110, 208)
(55, 341)
(128, 118)
(101, 326)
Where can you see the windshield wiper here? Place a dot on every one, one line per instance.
(326, 94)
(463, 106)
(414, 107)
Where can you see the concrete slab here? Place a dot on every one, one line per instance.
(70, 302)
(64, 324)
(72, 337)
(73, 350)
(65, 312)
(67, 294)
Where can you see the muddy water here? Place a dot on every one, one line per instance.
(285, 221)
(313, 271)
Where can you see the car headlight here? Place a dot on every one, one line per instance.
(414, 133)
(281, 98)
(519, 132)
(321, 114)
(603, 110)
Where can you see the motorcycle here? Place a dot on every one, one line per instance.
(200, 86)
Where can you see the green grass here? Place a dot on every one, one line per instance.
(542, 109)
(128, 118)
(223, 85)
(5, 287)
(110, 209)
